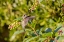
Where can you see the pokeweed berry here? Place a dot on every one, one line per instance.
(14, 25)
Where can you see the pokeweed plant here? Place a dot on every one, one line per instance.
(48, 13)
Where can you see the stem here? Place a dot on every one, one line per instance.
(34, 31)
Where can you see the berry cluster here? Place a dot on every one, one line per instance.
(34, 5)
(14, 25)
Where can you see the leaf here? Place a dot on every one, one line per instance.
(42, 23)
(48, 30)
(30, 39)
(57, 29)
(47, 34)
(60, 39)
(41, 39)
(15, 34)
(33, 24)
(18, 19)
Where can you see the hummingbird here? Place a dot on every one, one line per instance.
(25, 20)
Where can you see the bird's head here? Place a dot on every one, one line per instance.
(24, 16)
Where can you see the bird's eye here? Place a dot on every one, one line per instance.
(24, 15)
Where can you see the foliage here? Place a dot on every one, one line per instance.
(49, 19)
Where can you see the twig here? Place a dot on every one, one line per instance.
(34, 31)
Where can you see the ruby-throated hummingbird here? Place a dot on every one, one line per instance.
(25, 20)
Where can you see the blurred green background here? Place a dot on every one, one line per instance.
(49, 15)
